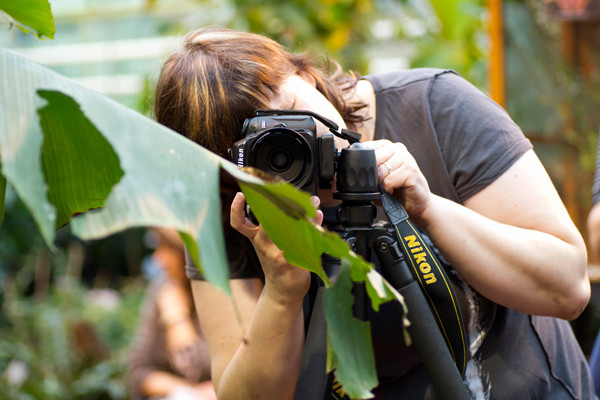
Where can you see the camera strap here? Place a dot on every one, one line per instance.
(432, 278)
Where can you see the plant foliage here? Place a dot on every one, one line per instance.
(70, 343)
(74, 155)
(31, 16)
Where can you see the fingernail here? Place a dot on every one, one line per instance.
(315, 201)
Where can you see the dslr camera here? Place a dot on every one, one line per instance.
(284, 144)
(287, 146)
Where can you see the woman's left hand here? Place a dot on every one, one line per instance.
(400, 175)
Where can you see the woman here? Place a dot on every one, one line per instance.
(465, 174)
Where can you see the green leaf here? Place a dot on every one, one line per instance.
(2, 197)
(453, 17)
(21, 138)
(80, 165)
(286, 215)
(169, 181)
(286, 225)
(30, 16)
(349, 339)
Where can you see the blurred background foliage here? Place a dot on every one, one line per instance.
(67, 317)
(555, 99)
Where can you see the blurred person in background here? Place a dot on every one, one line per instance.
(169, 357)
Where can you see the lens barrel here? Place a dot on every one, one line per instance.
(284, 153)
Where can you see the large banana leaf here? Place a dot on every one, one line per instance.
(74, 155)
(89, 142)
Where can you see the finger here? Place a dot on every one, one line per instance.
(319, 218)
(237, 215)
(391, 150)
(384, 151)
(316, 201)
(406, 176)
(390, 158)
(385, 169)
(377, 144)
(238, 219)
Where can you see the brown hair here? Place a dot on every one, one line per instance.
(220, 77)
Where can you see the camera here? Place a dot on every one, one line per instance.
(287, 146)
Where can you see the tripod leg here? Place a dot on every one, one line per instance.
(312, 379)
(431, 346)
(424, 330)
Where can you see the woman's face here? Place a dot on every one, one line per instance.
(297, 93)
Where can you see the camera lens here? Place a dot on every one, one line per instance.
(280, 160)
(284, 153)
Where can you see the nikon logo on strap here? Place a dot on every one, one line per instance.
(420, 258)
(432, 279)
(334, 390)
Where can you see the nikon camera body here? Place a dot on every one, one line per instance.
(287, 147)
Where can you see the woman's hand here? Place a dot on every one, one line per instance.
(283, 281)
(400, 175)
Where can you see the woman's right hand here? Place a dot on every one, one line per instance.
(283, 282)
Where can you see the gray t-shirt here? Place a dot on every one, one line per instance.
(463, 141)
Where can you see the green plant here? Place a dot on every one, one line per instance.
(69, 343)
(553, 101)
(33, 16)
(340, 29)
(73, 156)
(453, 35)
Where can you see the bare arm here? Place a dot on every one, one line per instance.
(514, 241)
(256, 337)
(255, 350)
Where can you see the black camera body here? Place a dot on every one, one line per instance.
(287, 146)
